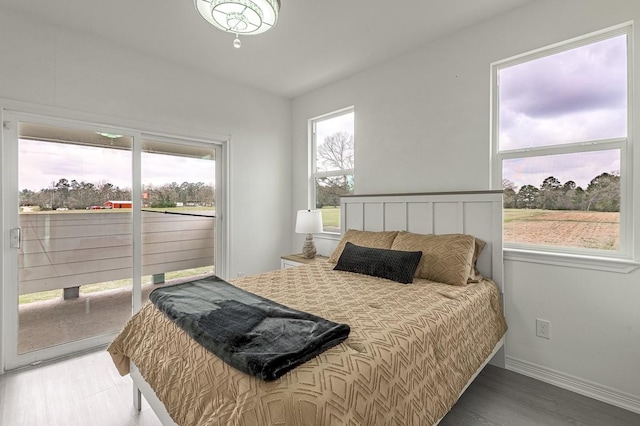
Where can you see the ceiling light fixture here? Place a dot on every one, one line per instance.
(240, 16)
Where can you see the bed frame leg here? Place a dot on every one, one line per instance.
(499, 359)
(137, 398)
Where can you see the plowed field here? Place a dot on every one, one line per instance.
(596, 230)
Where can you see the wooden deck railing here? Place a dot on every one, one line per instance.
(65, 250)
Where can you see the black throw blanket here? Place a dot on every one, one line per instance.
(255, 335)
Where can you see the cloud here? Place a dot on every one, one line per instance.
(587, 78)
(522, 131)
(579, 167)
(572, 96)
(41, 164)
(340, 123)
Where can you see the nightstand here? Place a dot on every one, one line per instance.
(292, 260)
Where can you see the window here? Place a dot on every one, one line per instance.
(560, 123)
(332, 164)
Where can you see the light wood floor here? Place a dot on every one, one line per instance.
(86, 390)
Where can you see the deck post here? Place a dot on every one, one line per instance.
(70, 293)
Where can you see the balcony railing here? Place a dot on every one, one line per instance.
(67, 250)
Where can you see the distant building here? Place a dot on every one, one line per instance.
(118, 204)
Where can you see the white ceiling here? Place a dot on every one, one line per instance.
(314, 43)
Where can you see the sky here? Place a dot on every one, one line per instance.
(324, 128)
(341, 123)
(44, 163)
(574, 96)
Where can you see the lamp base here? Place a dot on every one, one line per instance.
(309, 247)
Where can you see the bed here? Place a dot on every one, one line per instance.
(412, 351)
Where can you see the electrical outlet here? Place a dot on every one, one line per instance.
(543, 328)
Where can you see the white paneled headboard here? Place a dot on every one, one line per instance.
(476, 213)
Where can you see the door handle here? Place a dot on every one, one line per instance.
(14, 238)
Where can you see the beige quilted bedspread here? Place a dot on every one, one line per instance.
(411, 350)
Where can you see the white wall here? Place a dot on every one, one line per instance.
(423, 124)
(68, 72)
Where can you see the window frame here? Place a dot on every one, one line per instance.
(313, 150)
(622, 260)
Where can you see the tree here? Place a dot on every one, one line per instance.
(527, 197)
(579, 199)
(509, 195)
(549, 193)
(106, 192)
(28, 198)
(188, 193)
(206, 194)
(329, 190)
(80, 195)
(165, 196)
(566, 201)
(335, 154)
(603, 193)
(61, 189)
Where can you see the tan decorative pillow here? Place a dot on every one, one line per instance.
(382, 240)
(474, 274)
(446, 258)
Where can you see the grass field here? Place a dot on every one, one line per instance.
(582, 229)
(331, 217)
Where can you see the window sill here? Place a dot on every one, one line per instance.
(621, 266)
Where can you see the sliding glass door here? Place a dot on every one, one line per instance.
(96, 219)
(72, 252)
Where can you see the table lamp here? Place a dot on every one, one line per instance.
(309, 222)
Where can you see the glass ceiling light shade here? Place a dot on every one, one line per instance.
(240, 16)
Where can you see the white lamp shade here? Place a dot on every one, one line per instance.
(309, 222)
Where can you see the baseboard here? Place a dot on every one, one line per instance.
(574, 384)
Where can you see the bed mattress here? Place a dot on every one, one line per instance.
(411, 351)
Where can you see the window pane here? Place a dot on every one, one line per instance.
(334, 143)
(328, 193)
(568, 200)
(573, 96)
(75, 260)
(178, 211)
(333, 164)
